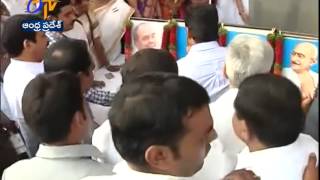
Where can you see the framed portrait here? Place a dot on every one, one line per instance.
(301, 61)
(147, 33)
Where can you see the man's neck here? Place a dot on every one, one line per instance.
(27, 58)
(256, 145)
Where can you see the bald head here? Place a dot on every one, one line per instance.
(144, 36)
(303, 57)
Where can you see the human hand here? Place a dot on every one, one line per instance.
(241, 174)
(311, 171)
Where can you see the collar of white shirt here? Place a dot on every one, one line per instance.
(33, 67)
(204, 46)
(69, 151)
(122, 168)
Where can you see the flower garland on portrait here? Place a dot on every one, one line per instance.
(169, 37)
(275, 39)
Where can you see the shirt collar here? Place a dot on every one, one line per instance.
(204, 46)
(69, 151)
(122, 168)
(33, 67)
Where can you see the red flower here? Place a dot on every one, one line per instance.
(278, 52)
(165, 37)
(222, 40)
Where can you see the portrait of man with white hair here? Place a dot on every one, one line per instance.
(303, 56)
(147, 35)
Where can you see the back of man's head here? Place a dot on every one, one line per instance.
(271, 108)
(148, 60)
(247, 55)
(69, 55)
(13, 37)
(49, 103)
(202, 22)
(149, 111)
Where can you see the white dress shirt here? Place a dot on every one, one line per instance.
(124, 172)
(280, 163)
(16, 77)
(217, 159)
(293, 76)
(204, 64)
(102, 139)
(228, 11)
(217, 164)
(71, 162)
(222, 111)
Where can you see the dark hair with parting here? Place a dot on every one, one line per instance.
(148, 60)
(12, 36)
(49, 103)
(69, 55)
(271, 107)
(202, 22)
(150, 110)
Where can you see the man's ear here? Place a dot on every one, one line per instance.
(78, 120)
(159, 157)
(26, 44)
(243, 131)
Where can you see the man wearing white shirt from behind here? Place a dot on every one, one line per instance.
(54, 109)
(165, 137)
(246, 55)
(155, 60)
(269, 119)
(205, 60)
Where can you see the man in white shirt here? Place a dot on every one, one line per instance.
(168, 135)
(53, 107)
(26, 50)
(303, 57)
(246, 55)
(269, 119)
(205, 60)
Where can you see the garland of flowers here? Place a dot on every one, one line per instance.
(169, 37)
(222, 35)
(173, 39)
(127, 40)
(278, 46)
(275, 39)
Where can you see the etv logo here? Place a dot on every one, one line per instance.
(45, 5)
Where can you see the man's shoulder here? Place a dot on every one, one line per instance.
(19, 168)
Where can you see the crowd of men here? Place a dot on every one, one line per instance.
(217, 113)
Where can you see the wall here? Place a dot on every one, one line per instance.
(289, 15)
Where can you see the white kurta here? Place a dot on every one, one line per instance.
(280, 163)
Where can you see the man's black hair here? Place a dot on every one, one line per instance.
(12, 36)
(148, 60)
(49, 103)
(202, 21)
(67, 54)
(271, 107)
(150, 110)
